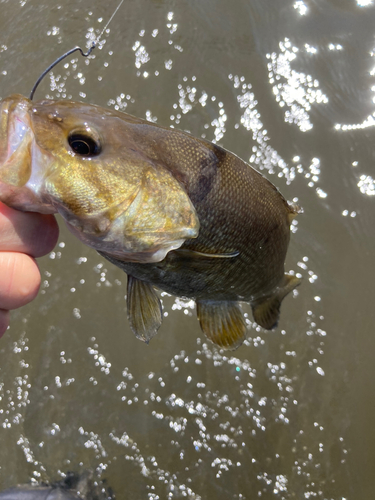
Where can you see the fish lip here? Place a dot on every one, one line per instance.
(18, 151)
(4, 124)
(15, 125)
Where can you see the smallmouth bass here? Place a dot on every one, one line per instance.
(174, 212)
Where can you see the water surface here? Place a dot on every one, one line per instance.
(289, 86)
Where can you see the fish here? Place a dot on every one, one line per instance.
(28, 492)
(74, 486)
(176, 213)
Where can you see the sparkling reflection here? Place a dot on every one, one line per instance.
(296, 91)
(284, 416)
(301, 7)
(366, 185)
(364, 3)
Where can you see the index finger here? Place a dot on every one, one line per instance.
(27, 232)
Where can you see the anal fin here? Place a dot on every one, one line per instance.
(144, 309)
(222, 322)
(266, 310)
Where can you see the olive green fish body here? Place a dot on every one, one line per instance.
(174, 212)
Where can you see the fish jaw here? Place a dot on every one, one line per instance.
(22, 162)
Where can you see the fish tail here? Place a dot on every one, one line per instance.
(266, 311)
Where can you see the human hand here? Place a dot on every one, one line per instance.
(23, 236)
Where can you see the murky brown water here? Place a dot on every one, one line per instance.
(289, 85)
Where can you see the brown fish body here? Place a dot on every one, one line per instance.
(243, 237)
(171, 210)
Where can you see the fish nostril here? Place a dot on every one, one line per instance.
(84, 145)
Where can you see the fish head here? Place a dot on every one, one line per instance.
(85, 162)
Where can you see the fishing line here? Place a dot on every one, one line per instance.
(75, 49)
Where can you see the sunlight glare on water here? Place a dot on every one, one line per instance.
(286, 415)
(299, 90)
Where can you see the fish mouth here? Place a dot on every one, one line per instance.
(15, 140)
(18, 156)
(18, 126)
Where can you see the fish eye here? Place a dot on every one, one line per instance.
(83, 144)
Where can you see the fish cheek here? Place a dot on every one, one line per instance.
(71, 186)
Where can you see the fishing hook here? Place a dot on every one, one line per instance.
(84, 54)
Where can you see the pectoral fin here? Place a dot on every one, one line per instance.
(193, 254)
(266, 311)
(222, 322)
(144, 309)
